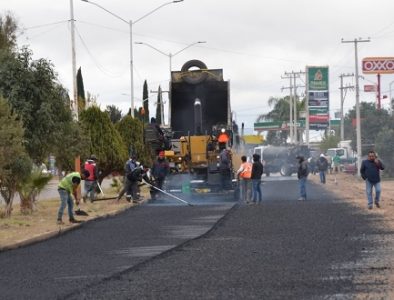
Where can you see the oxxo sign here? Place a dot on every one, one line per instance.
(378, 65)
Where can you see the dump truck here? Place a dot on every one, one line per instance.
(201, 127)
(281, 159)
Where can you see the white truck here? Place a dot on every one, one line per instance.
(345, 153)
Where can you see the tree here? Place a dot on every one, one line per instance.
(73, 140)
(280, 112)
(115, 114)
(8, 31)
(145, 99)
(329, 141)
(32, 90)
(384, 145)
(80, 91)
(132, 133)
(105, 141)
(372, 122)
(30, 188)
(159, 106)
(14, 164)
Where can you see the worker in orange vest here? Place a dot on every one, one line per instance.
(223, 139)
(244, 174)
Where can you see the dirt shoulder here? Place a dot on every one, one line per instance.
(21, 229)
(351, 189)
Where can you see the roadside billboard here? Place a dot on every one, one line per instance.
(378, 65)
(318, 96)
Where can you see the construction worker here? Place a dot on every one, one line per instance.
(159, 171)
(244, 175)
(223, 139)
(69, 186)
(130, 165)
(91, 181)
(225, 168)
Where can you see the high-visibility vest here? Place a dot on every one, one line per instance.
(247, 170)
(223, 138)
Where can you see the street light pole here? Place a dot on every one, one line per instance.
(358, 121)
(131, 23)
(170, 55)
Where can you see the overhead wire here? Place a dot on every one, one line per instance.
(95, 61)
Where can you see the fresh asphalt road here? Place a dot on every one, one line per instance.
(281, 249)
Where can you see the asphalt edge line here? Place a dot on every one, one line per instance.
(63, 230)
(115, 275)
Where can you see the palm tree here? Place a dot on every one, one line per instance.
(281, 112)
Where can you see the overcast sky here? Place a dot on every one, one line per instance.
(254, 41)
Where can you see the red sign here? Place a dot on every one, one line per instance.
(378, 65)
(369, 88)
(318, 118)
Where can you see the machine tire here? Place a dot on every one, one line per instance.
(284, 170)
(195, 79)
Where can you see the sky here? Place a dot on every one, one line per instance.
(254, 41)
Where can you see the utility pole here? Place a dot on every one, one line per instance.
(290, 103)
(74, 102)
(343, 95)
(358, 121)
(293, 103)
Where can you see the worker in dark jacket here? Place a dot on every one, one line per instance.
(302, 174)
(130, 165)
(370, 172)
(257, 172)
(322, 166)
(225, 168)
(159, 171)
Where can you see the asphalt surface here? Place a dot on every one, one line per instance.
(282, 249)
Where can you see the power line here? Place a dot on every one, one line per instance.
(95, 61)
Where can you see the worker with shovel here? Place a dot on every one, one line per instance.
(159, 172)
(69, 186)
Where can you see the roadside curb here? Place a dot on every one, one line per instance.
(63, 230)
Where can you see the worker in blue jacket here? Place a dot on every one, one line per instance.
(370, 172)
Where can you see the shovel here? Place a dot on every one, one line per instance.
(80, 212)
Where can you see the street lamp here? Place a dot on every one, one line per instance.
(170, 55)
(131, 23)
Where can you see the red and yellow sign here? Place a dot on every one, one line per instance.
(378, 65)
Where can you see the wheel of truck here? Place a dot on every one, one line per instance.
(284, 170)
(194, 78)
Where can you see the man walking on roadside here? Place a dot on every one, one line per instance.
(69, 186)
(302, 174)
(322, 166)
(370, 172)
(257, 172)
(244, 173)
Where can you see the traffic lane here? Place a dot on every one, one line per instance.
(100, 249)
(281, 249)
